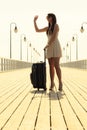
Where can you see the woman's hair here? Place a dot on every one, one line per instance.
(51, 27)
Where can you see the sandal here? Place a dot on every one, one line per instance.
(52, 87)
(60, 87)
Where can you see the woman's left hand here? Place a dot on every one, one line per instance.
(46, 46)
(35, 18)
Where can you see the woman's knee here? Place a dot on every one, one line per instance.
(56, 62)
(51, 62)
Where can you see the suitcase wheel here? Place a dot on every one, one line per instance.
(45, 89)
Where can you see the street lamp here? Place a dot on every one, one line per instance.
(82, 28)
(22, 37)
(75, 38)
(15, 30)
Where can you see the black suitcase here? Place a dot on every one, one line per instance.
(38, 74)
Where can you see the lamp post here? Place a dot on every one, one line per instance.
(82, 28)
(69, 45)
(34, 54)
(64, 55)
(15, 30)
(27, 51)
(66, 51)
(37, 54)
(31, 51)
(22, 37)
(75, 38)
(28, 45)
(40, 55)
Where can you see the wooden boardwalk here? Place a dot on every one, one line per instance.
(24, 108)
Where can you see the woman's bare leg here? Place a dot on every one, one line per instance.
(58, 71)
(51, 67)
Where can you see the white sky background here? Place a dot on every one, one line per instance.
(70, 15)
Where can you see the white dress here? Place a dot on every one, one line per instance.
(54, 50)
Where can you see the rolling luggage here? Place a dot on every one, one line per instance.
(38, 74)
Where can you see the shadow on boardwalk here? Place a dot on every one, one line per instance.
(51, 94)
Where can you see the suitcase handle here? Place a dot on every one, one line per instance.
(45, 55)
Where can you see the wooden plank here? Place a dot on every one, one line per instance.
(58, 122)
(75, 74)
(5, 115)
(73, 97)
(29, 120)
(43, 121)
(9, 79)
(81, 115)
(17, 88)
(69, 115)
(12, 98)
(19, 114)
(77, 94)
(82, 84)
(76, 87)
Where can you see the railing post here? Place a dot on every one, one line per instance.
(1, 64)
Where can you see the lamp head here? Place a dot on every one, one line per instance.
(73, 39)
(67, 44)
(30, 44)
(82, 29)
(64, 48)
(15, 29)
(25, 39)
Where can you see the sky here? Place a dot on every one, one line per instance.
(70, 15)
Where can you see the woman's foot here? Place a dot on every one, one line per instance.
(60, 86)
(52, 87)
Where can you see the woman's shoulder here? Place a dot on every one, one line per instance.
(56, 26)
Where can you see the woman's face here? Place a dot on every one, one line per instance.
(49, 19)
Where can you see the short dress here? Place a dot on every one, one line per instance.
(54, 50)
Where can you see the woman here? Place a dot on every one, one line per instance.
(53, 47)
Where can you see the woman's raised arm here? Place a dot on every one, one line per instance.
(36, 27)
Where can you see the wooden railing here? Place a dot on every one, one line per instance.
(10, 64)
(81, 64)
